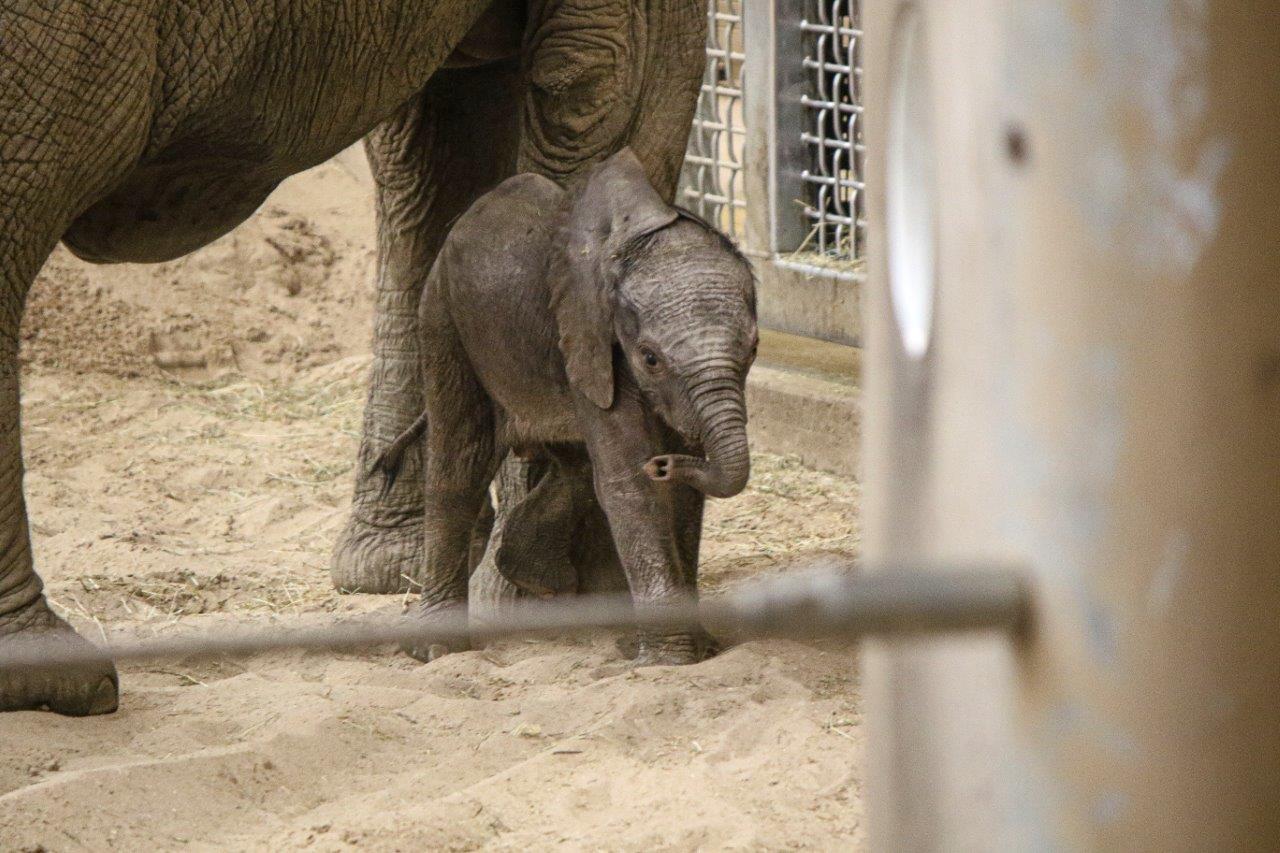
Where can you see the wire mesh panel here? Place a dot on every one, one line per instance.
(834, 202)
(711, 183)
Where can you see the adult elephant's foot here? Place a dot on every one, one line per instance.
(443, 629)
(376, 558)
(78, 691)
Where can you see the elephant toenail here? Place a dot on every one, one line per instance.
(106, 698)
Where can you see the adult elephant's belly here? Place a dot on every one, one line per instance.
(164, 211)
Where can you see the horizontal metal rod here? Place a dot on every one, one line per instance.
(834, 69)
(723, 53)
(842, 106)
(838, 601)
(829, 29)
(827, 180)
(731, 93)
(828, 142)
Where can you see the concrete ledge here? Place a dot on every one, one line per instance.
(809, 301)
(812, 417)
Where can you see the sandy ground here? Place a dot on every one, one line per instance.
(210, 492)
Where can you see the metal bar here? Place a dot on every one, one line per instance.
(829, 181)
(721, 91)
(819, 65)
(720, 53)
(835, 602)
(840, 144)
(713, 170)
(831, 29)
(832, 134)
(831, 105)
(707, 196)
(701, 161)
(719, 127)
(827, 30)
(830, 217)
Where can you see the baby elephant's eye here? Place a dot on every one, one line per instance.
(650, 358)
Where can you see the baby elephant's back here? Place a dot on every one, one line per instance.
(497, 250)
(492, 267)
(492, 276)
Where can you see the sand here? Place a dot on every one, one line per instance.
(190, 431)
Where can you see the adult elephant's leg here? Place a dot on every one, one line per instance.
(68, 134)
(25, 617)
(453, 141)
(605, 74)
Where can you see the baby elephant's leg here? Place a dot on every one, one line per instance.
(689, 504)
(645, 532)
(460, 460)
(689, 507)
(642, 517)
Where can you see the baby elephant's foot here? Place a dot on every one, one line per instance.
(443, 630)
(674, 649)
(80, 690)
(628, 645)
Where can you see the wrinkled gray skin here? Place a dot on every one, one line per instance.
(604, 317)
(139, 130)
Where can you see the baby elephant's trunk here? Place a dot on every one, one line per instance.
(725, 440)
(719, 401)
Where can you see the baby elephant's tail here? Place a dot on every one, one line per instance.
(390, 459)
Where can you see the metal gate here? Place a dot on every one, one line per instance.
(776, 155)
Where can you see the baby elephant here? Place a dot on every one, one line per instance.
(601, 317)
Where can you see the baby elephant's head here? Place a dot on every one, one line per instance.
(674, 297)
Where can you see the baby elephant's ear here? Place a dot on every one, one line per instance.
(616, 205)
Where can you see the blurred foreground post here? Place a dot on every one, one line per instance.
(1074, 364)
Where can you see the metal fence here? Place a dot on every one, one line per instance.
(712, 181)
(826, 126)
(834, 203)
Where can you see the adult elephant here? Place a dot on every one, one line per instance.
(139, 130)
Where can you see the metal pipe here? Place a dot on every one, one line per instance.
(838, 601)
